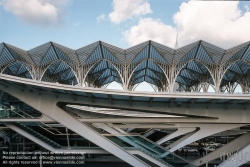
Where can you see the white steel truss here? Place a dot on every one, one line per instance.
(193, 67)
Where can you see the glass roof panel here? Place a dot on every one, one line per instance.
(154, 54)
(119, 97)
(62, 56)
(246, 55)
(60, 72)
(95, 56)
(49, 57)
(109, 56)
(142, 55)
(17, 69)
(203, 56)
(6, 57)
(189, 56)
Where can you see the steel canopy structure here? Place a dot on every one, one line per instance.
(194, 67)
(54, 96)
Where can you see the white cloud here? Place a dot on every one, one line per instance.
(220, 23)
(36, 12)
(101, 18)
(147, 29)
(127, 9)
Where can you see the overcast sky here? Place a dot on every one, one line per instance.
(123, 23)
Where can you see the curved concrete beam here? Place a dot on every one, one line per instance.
(216, 113)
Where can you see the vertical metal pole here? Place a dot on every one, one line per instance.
(41, 162)
(23, 143)
(67, 138)
(10, 143)
(1, 95)
(227, 136)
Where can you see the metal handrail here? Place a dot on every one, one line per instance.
(16, 108)
(24, 112)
